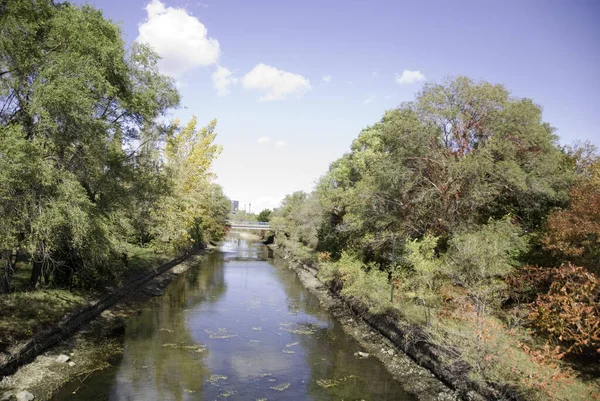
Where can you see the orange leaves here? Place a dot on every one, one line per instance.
(569, 312)
(324, 257)
(575, 232)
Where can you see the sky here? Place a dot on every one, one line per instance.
(292, 83)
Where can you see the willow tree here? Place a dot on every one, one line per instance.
(76, 98)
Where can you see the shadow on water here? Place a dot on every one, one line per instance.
(238, 327)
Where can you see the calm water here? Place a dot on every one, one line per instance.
(238, 327)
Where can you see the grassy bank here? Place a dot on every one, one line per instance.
(27, 312)
(498, 349)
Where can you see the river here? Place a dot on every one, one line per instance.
(238, 326)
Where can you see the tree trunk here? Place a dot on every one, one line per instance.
(9, 269)
(36, 273)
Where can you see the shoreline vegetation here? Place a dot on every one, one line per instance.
(459, 220)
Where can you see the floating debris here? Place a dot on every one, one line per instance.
(288, 351)
(327, 383)
(215, 379)
(266, 374)
(167, 330)
(228, 393)
(307, 332)
(220, 333)
(195, 347)
(281, 387)
(189, 391)
(254, 341)
(257, 328)
(292, 344)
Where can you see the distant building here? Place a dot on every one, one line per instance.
(235, 206)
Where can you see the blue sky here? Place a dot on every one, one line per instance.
(309, 75)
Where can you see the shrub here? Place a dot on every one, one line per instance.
(569, 311)
(364, 282)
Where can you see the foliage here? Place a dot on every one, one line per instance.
(298, 218)
(423, 281)
(573, 234)
(568, 312)
(365, 283)
(85, 164)
(196, 210)
(461, 153)
(264, 215)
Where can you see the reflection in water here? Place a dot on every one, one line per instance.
(238, 327)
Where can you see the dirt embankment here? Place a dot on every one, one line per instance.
(393, 342)
(91, 336)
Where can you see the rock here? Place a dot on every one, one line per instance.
(361, 354)
(25, 396)
(62, 358)
(71, 363)
(7, 396)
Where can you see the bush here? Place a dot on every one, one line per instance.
(366, 283)
(569, 312)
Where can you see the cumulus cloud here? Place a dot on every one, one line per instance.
(276, 84)
(280, 144)
(179, 38)
(409, 77)
(326, 78)
(222, 79)
(263, 139)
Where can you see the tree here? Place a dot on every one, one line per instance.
(192, 214)
(76, 99)
(461, 153)
(264, 215)
(573, 233)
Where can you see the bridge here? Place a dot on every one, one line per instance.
(248, 225)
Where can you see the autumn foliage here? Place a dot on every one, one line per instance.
(574, 233)
(567, 307)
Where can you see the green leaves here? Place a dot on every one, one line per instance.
(81, 171)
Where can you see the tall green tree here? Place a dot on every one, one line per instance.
(75, 96)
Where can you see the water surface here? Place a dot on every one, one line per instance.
(238, 326)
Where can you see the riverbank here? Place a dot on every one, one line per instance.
(449, 364)
(89, 338)
(414, 378)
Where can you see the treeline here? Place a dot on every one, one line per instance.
(88, 165)
(460, 212)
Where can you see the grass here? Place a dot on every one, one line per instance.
(24, 313)
(140, 260)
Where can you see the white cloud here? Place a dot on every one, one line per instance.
(179, 38)
(409, 77)
(222, 79)
(276, 84)
(326, 78)
(263, 139)
(369, 99)
(391, 95)
(280, 144)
